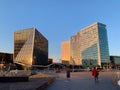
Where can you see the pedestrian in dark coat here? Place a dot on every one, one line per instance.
(68, 72)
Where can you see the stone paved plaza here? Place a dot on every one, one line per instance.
(83, 81)
(78, 81)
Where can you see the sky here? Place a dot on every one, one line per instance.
(58, 20)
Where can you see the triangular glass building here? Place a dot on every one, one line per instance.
(30, 47)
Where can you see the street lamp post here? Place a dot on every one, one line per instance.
(107, 64)
(72, 65)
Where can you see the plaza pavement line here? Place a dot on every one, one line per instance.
(44, 85)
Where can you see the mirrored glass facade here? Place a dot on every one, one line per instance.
(30, 47)
(90, 56)
(103, 44)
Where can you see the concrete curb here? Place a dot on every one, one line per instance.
(36, 82)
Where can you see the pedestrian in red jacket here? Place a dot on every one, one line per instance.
(95, 73)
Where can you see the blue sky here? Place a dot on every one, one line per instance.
(58, 20)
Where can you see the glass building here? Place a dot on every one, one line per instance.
(89, 47)
(115, 60)
(6, 57)
(30, 47)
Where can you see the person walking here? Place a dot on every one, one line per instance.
(95, 74)
(68, 72)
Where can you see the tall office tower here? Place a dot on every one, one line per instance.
(30, 47)
(65, 52)
(89, 47)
